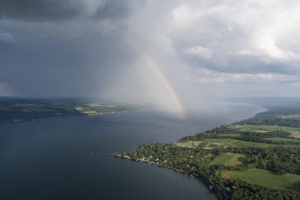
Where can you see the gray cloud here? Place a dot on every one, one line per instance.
(107, 49)
(243, 38)
(57, 10)
(6, 37)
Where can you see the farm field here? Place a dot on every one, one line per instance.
(227, 159)
(290, 116)
(225, 143)
(228, 142)
(266, 178)
(282, 139)
(295, 134)
(263, 128)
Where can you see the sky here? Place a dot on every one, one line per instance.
(150, 51)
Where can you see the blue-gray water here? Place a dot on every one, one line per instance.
(70, 158)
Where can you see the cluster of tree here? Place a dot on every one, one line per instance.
(218, 133)
(195, 161)
(264, 138)
(214, 133)
(279, 160)
(234, 189)
(273, 117)
(241, 190)
(170, 155)
(291, 122)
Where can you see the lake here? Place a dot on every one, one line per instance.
(71, 158)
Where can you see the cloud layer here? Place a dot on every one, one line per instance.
(207, 49)
(47, 10)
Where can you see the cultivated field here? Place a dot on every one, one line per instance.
(227, 159)
(266, 178)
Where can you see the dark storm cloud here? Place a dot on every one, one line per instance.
(37, 9)
(54, 10)
(61, 47)
(62, 67)
(77, 47)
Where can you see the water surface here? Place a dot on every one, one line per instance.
(70, 158)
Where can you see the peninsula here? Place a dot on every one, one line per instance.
(257, 158)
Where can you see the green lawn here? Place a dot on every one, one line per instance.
(230, 159)
(267, 179)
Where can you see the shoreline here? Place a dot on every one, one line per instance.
(222, 189)
(199, 178)
(148, 162)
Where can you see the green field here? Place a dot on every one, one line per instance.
(282, 139)
(97, 109)
(289, 116)
(295, 134)
(228, 159)
(189, 144)
(266, 178)
(224, 143)
(228, 142)
(263, 128)
(230, 135)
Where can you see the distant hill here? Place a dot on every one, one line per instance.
(18, 109)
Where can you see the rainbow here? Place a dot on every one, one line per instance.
(162, 76)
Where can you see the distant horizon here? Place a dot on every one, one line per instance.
(87, 98)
